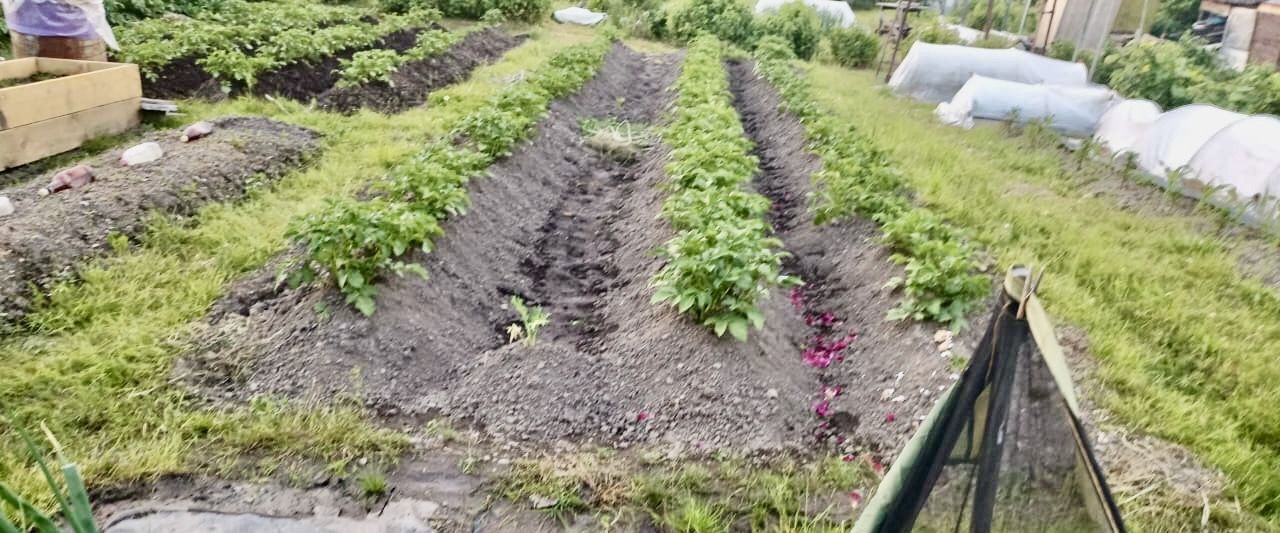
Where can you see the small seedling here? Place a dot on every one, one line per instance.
(532, 319)
(442, 428)
(373, 484)
(70, 494)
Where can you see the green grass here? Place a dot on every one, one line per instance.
(696, 497)
(96, 364)
(1186, 344)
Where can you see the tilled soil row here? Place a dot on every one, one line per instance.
(49, 237)
(891, 373)
(411, 84)
(414, 81)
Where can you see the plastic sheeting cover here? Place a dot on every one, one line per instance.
(79, 19)
(936, 72)
(1174, 138)
(1122, 126)
(1073, 111)
(969, 35)
(1243, 155)
(578, 15)
(838, 12)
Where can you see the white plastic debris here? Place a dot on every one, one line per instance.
(578, 15)
(142, 153)
(196, 131)
(6, 207)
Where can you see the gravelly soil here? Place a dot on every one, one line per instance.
(566, 228)
(414, 81)
(47, 238)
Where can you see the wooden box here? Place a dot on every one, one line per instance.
(86, 99)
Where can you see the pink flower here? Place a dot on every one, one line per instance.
(855, 498)
(822, 408)
(875, 466)
(848, 458)
(830, 393)
(642, 416)
(890, 417)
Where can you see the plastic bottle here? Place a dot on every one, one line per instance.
(196, 131)
(142, 153)
(71, 178)
(6, 207)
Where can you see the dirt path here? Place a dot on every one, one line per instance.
(891, 373)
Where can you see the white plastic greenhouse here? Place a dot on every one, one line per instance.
(838, 12)
(936, 72)
(1243, 155)
(1071, 110)
(1174, 138)
(1122, 126)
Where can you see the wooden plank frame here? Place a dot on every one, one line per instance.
(43, 118)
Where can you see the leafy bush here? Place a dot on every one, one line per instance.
(493, 16)
(1062, 50)
(798, 24)
(521, 10)
(934, 32)
(637, 18)
(1008, 15)
(993, 41)
(854, 47)
(368, 66)
(723, 258)
(1175, 17)
(729, 20)
(774, 48)
(1178, 73)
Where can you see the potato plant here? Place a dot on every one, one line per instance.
(723, 259)
(355, 243)
(368, 66)
(941, 281)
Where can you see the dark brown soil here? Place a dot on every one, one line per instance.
(48, 237)
(568, 229)
(304, 81)
(414, 81)
(182, 79)
(300, 81)
(892, 373)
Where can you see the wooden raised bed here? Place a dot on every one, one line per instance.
(86, 100)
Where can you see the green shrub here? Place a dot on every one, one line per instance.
(636, 18)
(853, 47)
(1063, 50)
(1008, 15)
(933, 32)
(775, 48)
(1175, 18)
(521, 10)
(798, 24)
(729, 20)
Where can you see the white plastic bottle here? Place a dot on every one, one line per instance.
(142, 153)
(6, 207)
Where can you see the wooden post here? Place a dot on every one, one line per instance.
(991, 14)
(900, 25)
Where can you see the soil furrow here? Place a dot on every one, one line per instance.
(891, 372)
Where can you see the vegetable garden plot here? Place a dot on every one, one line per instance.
(47, 237)
(571, 231)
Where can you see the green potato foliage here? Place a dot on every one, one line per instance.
(355, 243)
(941, 280)
(723, 259)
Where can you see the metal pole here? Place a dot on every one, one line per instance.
(991, 12)
(1142, 22)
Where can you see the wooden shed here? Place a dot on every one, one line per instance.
(1252, 33)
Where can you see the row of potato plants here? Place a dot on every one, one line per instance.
(355, 243)
(724, 258)
(378, 65)
(154, 43)
(942, 280)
